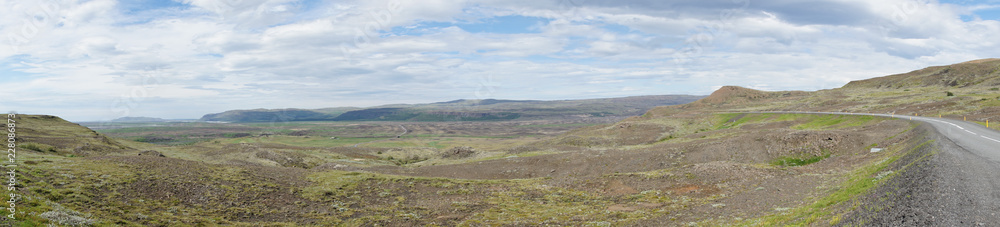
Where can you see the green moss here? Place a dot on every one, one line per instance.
(799, 160)
(302, 141)
(436, 145)
(336, 183)
(557, 125)
(734, 120)
(831, 121)
(810, 121)
(652, 174)
(460, 191)
(391, 144)
(650, 196)
(550, 206)
(37, 147)
(858, 182)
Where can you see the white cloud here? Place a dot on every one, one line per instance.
(83, 58)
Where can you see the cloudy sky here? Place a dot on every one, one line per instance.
(104, 59)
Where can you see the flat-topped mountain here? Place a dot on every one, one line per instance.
(464, 110)
(139, 119)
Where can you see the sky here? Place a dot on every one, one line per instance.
(180, 59)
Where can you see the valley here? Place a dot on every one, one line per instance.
(737, 157)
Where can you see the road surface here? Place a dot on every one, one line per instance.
(959, 186)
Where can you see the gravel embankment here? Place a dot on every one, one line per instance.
(940, 184)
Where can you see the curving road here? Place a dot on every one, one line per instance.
(959, 186)
(969, 136)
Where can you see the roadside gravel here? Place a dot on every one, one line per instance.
(951, 187)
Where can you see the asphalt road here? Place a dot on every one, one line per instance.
(958, 186)
(970, 137)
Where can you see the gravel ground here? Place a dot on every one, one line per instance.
(951, 187)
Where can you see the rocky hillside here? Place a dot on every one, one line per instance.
(734, 96)
(964, 90)
(829, 154)
(978, 73)
(51, 134)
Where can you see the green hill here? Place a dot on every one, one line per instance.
(51, 134)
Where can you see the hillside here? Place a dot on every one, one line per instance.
(51, 134)
(464, 110)
(964, 90)
(968, 90)
(827, 156)
(977, 73)
(736, 96)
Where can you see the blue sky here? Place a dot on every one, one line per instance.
(104, 59)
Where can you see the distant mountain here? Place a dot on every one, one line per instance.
(268, 115)
(464, 110)
(138, 119)
(484, 101)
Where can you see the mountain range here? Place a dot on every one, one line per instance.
(464, 110)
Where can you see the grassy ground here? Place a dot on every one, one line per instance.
(301, 141)
(308, 179)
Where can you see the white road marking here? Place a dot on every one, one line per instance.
(925, 119)
(984, 137)
(953, 124)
